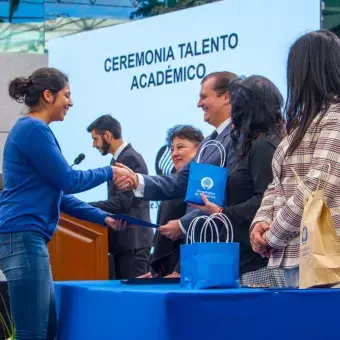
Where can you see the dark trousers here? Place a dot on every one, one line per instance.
(129, 264)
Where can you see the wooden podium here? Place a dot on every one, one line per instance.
(79, 250)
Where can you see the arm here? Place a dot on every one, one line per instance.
(44, 153)
(265, 212)
(74, 207)
(160, 188)
(286, 225)
(119, 203)
(260, 159)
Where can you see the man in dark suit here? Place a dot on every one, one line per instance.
(215, 103)
(129, 250)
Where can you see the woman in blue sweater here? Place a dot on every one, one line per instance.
(38, 183)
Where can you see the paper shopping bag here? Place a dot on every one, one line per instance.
(319, 244)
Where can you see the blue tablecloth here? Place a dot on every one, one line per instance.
(105, 310)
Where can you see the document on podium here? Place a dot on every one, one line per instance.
(134, 220)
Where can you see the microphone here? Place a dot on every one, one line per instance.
(79, 159)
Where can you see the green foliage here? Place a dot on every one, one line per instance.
(149, 8)
(8, 330)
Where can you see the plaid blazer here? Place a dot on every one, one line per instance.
(282, 204)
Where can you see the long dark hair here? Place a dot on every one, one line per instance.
(256, 105)
(313, 80)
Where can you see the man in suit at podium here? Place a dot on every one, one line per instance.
(129, 250)
(215, 102)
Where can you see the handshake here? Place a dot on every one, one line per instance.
(124, 178)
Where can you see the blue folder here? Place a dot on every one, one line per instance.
(134, 220)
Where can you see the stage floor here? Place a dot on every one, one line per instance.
(105, 310)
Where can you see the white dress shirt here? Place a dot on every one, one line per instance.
(119, 150)
(222, 126)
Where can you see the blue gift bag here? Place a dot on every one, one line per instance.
(207, 179)
(209, 264)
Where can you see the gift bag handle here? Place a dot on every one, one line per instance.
(219, 147)
(225, 221)
(209, 222)
(192, 228)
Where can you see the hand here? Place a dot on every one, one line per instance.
(267, 253)
(208, 208)
(111, 222)
(173, 275)
(171, 230)
(258, 240)
(124, 177)
(117, 225)
(122, 225)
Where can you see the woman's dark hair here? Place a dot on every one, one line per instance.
(185, 132)
(29, 90)
(256, 105)
(313, 81)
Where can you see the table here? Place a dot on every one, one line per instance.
(105, 310)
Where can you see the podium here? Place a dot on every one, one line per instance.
(79, 250)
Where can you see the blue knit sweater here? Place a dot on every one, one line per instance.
(38, 182)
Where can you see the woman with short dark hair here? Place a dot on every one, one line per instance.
(183, 141)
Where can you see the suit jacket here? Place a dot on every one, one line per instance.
(175, 185)
(126, 203)
(167, 252)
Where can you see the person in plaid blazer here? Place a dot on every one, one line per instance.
(312, 143)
